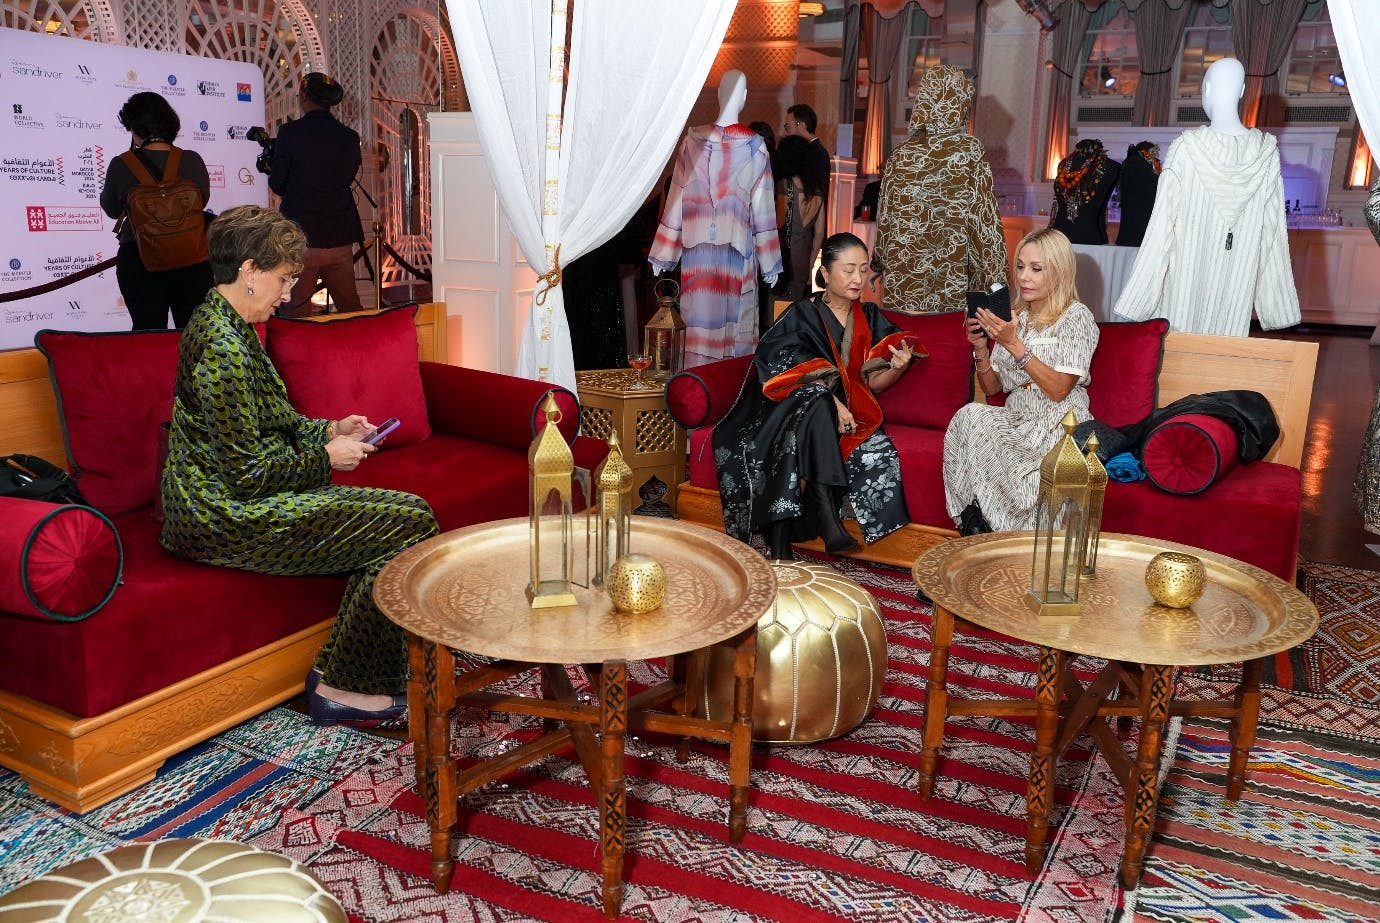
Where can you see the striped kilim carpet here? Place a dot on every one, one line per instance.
(835, 832)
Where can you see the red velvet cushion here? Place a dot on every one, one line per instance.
(1186, 454)
(932, 390)
(1251, 515)
(59, 562)
(921, 449)
(501, 409)
(113, 390)
(701, 471)
(1125, 371)
(365, 364)
(169, 620)
(702, 395)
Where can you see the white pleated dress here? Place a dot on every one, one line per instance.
(993, 454)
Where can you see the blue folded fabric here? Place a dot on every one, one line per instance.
(1125, 467)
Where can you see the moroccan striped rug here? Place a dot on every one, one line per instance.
(835, 832)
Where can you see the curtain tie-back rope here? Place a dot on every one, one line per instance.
(552, 277)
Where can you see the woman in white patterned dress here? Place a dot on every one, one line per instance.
(1041, 359)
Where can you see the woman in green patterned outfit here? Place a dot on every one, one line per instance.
(248, 478)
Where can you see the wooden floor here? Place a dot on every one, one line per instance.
(1343, 390)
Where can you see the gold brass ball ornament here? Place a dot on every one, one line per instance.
(821, 659)
(1175, 579)
(637, 584)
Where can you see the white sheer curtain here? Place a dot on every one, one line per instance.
(570, 172)
(1352, 22)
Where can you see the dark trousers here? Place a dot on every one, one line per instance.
(149, 296)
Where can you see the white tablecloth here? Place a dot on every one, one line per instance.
(1102, 271)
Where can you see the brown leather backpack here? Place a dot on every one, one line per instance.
(167, 216)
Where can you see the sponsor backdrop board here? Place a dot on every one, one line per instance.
(59, 133)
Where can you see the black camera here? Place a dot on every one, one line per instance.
(264, 162)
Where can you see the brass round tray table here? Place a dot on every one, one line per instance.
(465, 590)
(1245, 614)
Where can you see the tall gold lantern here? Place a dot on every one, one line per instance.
(1097, 492)
(663, 339)
(1061, 517)
(551, 470)
(613, 480)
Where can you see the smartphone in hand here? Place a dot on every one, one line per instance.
(998, 301)
(380, 432)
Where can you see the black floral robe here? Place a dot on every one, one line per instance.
(760, 444)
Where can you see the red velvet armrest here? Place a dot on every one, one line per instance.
(500, 409)
(702, 395)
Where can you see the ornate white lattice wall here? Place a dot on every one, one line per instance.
(381, 51)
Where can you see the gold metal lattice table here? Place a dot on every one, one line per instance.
(1245, 615)
(464, 590)
(653, 443)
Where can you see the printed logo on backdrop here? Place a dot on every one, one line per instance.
(246, 178)
(84, 75)
(171, 88)
(15, 273)
(217, 174)
(75, 310)
(26, 316)
(24, 121)
(63, 218)
(32, 170)
(236, 132)
(76, 123)
(67, 263)
(131, 81)
(26, 69)
(89, 171)
(243, 92)
(210, 88)
(203, 132)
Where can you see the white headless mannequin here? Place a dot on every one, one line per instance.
(1224, 85)
(732, 96)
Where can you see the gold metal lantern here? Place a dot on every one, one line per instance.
(613, 508)
(1061, 517)
(1097, 493)
(551, 469)
(663, 339)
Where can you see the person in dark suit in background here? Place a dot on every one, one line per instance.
(802, 121)
(315, 160)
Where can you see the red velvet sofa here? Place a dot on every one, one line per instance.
(1251, 512)
(90, 707)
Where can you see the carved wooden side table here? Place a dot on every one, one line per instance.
(653, 443)
(464, 590)
(1246, 614)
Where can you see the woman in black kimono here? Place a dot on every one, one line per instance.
(791, 449)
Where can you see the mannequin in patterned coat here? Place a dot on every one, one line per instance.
(248, 484)
(938, 226)
(1368, 471)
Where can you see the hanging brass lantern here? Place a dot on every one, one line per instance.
(1061, 516)
(1097, 492)
(613, 480)
(551, 469)
(663, 339)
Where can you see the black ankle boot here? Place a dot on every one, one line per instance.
(777, 535)
(820, 497)
(972, 522)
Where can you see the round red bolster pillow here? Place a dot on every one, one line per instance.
(1186, 454)
(56, 562)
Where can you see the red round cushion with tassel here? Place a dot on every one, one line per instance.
(1188, 453)
(56, 562)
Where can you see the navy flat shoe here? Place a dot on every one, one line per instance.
(313, 680)
(326, 712)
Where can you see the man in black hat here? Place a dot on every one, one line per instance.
(314, 162)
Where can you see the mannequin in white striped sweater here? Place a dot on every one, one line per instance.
(1216, 246)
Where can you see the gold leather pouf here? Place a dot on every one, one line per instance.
(175, 881)
(821, 658)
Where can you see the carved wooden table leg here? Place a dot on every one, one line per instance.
(438, 668)
(417, 686)
(936, 698)
(740, 742)
(687, 670)
(609, 788)
(1040, 795)
(1142, 794)
(1243, 726)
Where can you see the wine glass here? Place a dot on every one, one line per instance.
(641, 362)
